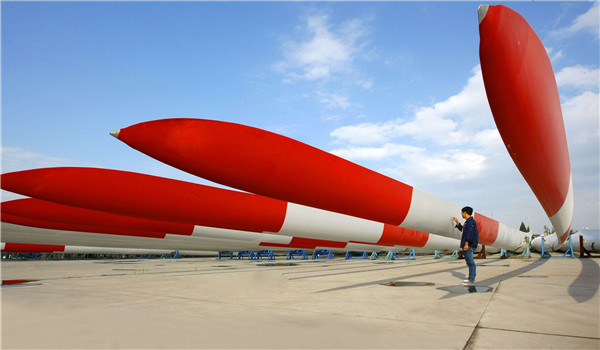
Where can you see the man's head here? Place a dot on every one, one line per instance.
(467, 212)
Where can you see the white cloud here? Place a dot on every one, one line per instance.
(554, 56)
(579, 77)
(452, 165)
(16, 159)
(365, 133)
(326, 52)
(587, 22)
(334, 101)
(445, 123)
(425, 166)
(377, 153)
(461, 120)
(582, 115)
(461, 173)
(489, 140)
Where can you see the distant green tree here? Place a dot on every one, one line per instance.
(548, 231)
(523, 228)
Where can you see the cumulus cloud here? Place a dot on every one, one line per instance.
(327, 51)
(581, 114)
(16, 159)
(579, 77)
(377, 153)
(554, 55)
(334, 101)
(587, 22)
(462, 120)
(425, 166)
(427, 149)
(445, 123)
(365, 133)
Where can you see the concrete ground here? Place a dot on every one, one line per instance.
(201, 303)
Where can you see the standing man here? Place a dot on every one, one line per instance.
(468, 242)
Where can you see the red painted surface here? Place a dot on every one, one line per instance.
(523, 96)
(488, 229)
(395, 235)
(272, 165)
(38, 209)
(8, 282)
(306, 243)
(32, 248)
(52, 225)
(150, 197)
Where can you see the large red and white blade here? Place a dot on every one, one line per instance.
(276, 166)
(117, 198)
(522, 93)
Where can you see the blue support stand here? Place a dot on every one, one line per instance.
(223, 253)
(527, 252)
(317, 253)
(264, 255)
(353, 255)
(245, 255)
(567, 255)
(545, 253)
(302, 253)
(411, 256)
(171, 256)
(374, 256)
(393, 256)
(439, 256)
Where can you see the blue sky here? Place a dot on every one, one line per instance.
(393, 86)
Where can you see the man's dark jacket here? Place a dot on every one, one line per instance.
(470, 233)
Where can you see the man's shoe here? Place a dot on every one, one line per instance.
(467, 283)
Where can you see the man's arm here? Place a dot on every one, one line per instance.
(458, 225)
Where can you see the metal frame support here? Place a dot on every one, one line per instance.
(374, 256)
(259, 255)
(316, 254)
(222, 253)
(583, 252)
(240, 255)
(454, 255)
(171, 255)
(481, 254)
(567, 255)
(391, 255)
(349, 255)
(545, 253)
(302, 253)
(527, 251)
(526, 254)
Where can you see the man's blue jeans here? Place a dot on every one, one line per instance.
(468, 254)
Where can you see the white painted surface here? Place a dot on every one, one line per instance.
(431, 214)
(561, 221)
(303, 221)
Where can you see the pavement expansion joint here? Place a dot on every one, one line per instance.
(539, 333)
